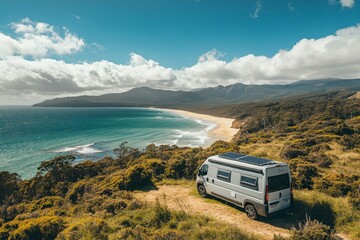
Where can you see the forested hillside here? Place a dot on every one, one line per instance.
(235, 93)
(319, 136)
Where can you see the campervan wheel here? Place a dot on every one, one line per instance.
(202, 190)
(250, 211)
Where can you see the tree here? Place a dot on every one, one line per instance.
(58, 168)
(124, 151)
(9, 183)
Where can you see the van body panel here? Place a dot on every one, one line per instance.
(279, 182)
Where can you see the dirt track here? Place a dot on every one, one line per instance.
(180, 197)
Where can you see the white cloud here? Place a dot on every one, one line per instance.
(37, 39)
(78, 18)
(96, 47)
(257, 10)
(333, 56)
(347, 3)
(343, 3)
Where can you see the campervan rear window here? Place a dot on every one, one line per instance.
(249, 182)
(224, 175)
(279, 182)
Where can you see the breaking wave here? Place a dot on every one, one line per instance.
(81, 149)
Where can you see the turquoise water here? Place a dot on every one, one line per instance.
(29, 135)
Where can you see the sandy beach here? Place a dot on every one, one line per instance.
(222, 130)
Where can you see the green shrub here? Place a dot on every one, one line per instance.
(176, 168)
(86, 228)
(9, 184)
(32, 229)
(213, 232)
(156, 167)
(320, 159)
(354, 195)
(303, 176)
(76, 192)
(135, 177)
(160, 215)
(311, 230)
(333, 188)
(112, 207)
(351, 141)
(291, 151)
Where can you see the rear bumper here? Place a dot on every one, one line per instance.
(263, 209)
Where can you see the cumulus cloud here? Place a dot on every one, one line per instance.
(347, 3)
(49, 76)
(343, 3)
(37, 39)
(333, 56)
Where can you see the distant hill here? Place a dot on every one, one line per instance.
(144, 96)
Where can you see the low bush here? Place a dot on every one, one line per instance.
(46, 227)
(354, 195)
(312, 230)
(135, 177)
(303, 175)
(86, 228)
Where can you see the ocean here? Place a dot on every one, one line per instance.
(30, 135)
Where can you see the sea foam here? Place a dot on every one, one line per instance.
(81, 149)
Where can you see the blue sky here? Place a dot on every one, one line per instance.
(65, 48)
(176, 32)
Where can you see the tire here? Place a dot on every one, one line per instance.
(250, 211)
(202, 190)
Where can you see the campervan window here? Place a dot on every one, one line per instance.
(224, 175)
(249, 182)
(279, 182)
(204, 169)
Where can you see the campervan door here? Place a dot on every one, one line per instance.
(278, 188)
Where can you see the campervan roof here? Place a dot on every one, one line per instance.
(239, 157)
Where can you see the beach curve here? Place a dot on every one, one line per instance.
(222, 129)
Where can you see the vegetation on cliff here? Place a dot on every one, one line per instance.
(317, 135)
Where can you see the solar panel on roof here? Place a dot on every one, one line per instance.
(232, 155)
(255, 160)
(246, 159)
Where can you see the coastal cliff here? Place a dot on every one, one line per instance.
(318, 136)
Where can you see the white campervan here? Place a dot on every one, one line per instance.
(261, 186)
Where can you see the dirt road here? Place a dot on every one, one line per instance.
(182, 197)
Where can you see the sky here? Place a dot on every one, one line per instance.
(63, 48)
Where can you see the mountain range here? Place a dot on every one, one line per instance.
(146, 97)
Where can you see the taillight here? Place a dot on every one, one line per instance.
(267, 194)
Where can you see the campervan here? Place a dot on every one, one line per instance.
(260, 186)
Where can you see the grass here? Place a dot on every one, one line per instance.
(170, 181)
(159, 222)
(347, 160)
(265, 150)
(336, 212)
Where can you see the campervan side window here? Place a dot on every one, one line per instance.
(249, 182)
(224, 175)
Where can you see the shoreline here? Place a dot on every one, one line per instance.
(221, 131)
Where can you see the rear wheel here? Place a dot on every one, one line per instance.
(250, 211)
(202, 190)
